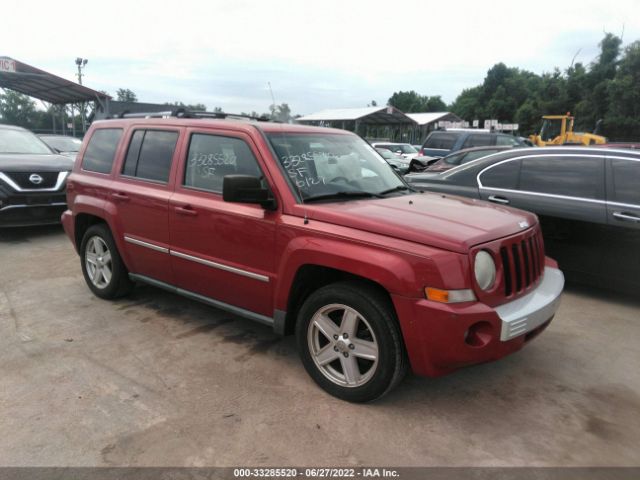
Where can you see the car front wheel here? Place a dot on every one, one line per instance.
(350, 342)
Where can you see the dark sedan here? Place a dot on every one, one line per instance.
(588, 201)
(32, 179)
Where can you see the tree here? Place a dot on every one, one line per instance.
(17, 109)
(412, 102)
(126, 95)
(280, 113)
(194, 107)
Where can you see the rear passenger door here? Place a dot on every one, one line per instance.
(221, 250)
(622, 249)
(141, 198)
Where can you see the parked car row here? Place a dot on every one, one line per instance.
(443, 142)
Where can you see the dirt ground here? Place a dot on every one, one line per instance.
(158, 380)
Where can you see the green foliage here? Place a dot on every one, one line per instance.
(607, 89)
(126, 95)
(412, 102)
(280, 113)
(194, 107)
(17, 109)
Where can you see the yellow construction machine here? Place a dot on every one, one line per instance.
(558, 130)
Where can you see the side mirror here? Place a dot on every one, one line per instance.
(246, 189)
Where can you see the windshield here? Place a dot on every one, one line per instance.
(323, 164)
(550, 129)
(63, 144)
(21, 141)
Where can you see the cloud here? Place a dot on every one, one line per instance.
(315, 54)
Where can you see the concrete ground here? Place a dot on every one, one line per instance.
(157, 380)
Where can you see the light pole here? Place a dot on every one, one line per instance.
(81, 63)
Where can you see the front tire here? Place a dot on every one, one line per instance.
(350, 342)
(102, 267)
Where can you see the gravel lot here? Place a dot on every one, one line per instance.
(158, 380)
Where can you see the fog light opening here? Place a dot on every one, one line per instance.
(478, 335)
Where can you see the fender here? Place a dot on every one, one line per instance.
(384, 267)
(101, 208)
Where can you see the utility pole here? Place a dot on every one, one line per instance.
(81, 63)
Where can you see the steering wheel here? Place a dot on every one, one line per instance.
(335, 179)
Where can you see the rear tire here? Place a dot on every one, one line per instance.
(350, 341)
(102, 266)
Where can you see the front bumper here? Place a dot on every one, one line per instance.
(441, 338)
(25, 208)
(22, 215)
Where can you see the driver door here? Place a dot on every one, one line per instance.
(221, 250)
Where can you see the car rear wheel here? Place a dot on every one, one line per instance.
(350, 342)
(102, 267)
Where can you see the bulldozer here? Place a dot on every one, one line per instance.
(558, 130)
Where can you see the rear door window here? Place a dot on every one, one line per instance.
(626, 181)
(101, 150)
(150, 155)
(478, 140)
(441, 140)
(581, 177)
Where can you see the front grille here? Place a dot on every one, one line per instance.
(49, 179)
(522, 263)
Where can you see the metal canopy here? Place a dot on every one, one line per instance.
(369, 116)
(45, 86)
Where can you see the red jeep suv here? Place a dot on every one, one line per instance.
(310, 231)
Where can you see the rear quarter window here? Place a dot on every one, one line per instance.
(101, 150)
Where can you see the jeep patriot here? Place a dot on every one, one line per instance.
(310, 231)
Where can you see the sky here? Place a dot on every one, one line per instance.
(314, 54)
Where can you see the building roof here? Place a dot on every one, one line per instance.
(430, 117)
(380, 115)
(45, 86)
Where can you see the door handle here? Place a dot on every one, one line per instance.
(626, 217)
(186, 210)
(120, 196)
(498, 199)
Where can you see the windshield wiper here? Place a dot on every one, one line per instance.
(343, 195)
(399, 188)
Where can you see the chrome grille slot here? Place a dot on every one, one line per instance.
(506, 268)
(518, 266)
(522, 263)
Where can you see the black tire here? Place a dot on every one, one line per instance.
(119, 283)
(376, 311)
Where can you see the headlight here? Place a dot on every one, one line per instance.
(485, 270)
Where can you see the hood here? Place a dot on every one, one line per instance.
(24, 162)
(441, 221)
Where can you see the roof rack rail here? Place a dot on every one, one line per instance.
(184, 113)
